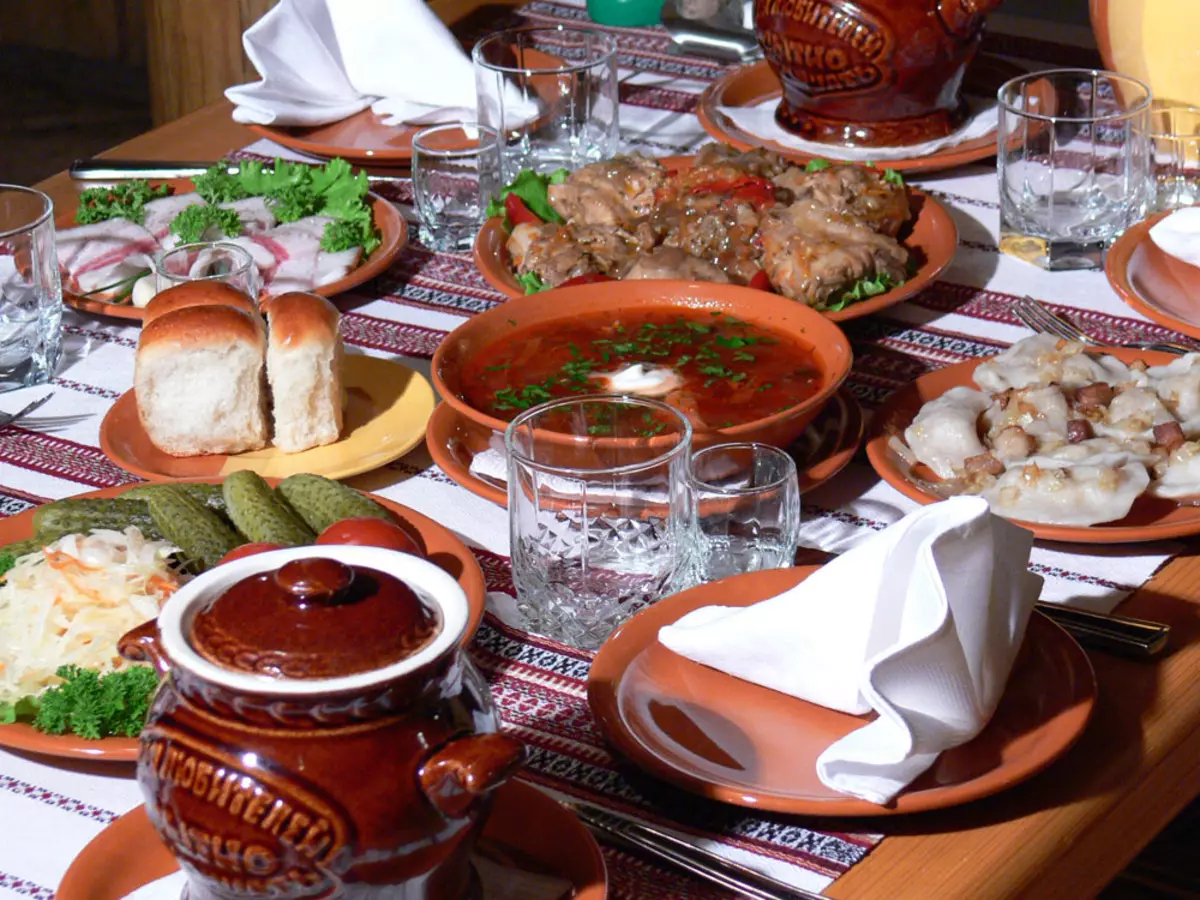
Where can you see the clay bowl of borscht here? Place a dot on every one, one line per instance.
(742, 364)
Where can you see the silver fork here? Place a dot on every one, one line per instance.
(7, 419)
(1040, 319)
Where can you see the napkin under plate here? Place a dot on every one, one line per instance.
(920, 623)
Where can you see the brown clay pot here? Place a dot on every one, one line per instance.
(870, 73)
(319, 731)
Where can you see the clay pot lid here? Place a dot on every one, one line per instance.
(313, 618)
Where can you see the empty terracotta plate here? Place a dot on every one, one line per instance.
(526, 829)
(931, 239)
(756, 83)
(1159, 286)
(393, 232)
(823, 450)
(1150, 519)
(361, 139)
(743, 744)
(441, 545)
(387, 408)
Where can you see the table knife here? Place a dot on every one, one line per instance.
(682, 854)
(101, 169)
(1136, 638)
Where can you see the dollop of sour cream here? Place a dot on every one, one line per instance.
(640, 379)
(1179, 235)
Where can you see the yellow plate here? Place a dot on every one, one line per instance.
(387, 408)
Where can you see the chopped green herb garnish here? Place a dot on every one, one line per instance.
(121, 201)
(95, 706)
(816, 165)
(195, 222)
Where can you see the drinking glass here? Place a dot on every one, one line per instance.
(598, 512)
(1174, 133)
(30, 291)
(1073, 162)
(208, 261)
(551, 93)
(745, 510)
(456, 173)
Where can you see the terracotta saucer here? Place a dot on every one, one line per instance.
(392, 228)
(822, 451)
(743, 744)
(753, 84)
(931, 240)
(387, 407)
(1151, 519)
(525, 827)
(361, 139)
(1156, 284)
(441, 545)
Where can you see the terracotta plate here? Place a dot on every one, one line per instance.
(743, 744)
(361, 139)
(931, 240)
(1156, 284)
(387, 407)
(525, 824)
(753, 84)
(388, 220)
(821, 452)
(441, 545)
(1151, 519)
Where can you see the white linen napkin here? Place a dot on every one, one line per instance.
(921, 623)
(1179, 234)
(759, 120)
(324, 60)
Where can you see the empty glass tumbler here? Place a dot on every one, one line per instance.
(30, 290)
(211, 261)
(551, 93)
(745, 508)
(1073, 162)
(456, 173)
(598, 512)
(1174, 133)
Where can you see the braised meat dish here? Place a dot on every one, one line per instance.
(813, 234)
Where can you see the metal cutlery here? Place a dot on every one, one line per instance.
(722, 36)
(97, 169)
(1040, 319)
(1120, 635)
(695, 860)
(7, 419)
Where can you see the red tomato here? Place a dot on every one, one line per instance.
(249, 550)
(760, 281)
(368, 531)
(590, 278)
(518, 212)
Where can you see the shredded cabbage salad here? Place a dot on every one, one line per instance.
(69, 604)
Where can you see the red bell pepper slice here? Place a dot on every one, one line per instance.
(590, 278)
(756, 191)
(518, 213)
(761, 282)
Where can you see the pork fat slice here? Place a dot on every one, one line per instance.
(305, 265)
(160, 213)
(96, 256)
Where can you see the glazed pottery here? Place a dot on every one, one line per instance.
(319, 732)
(871, 73)
(1153, 41)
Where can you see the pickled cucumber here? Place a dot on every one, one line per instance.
(321, 502)
(80, 516)
(198, 531)
(210, 495)
(259, 514)
(20, 548)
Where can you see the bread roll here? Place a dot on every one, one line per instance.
(304, 367)
(197, 293)
(199, 381)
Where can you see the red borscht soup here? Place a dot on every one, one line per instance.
(719, 371)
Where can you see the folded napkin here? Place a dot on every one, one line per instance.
(759, 120)
(920, 622)
(1179, 234)
(324, 60)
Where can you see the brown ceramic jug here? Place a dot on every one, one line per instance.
(319, 731)
(870, 73)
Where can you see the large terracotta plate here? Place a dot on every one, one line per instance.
(756, 83)
(441, 545)
(1156, 284)
(392, 228)
(822, 451)
(524, 824)
(387, 408)
(932, 239)
(1151, 519)
(361, 139)
(747, 745)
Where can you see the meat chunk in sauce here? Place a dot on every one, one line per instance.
(861, 191)
(557, 253)
(671, 262)
(810, 252)
(612, 192)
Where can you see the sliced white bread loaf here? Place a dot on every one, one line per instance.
(199, 381)
(198, 293)
(304, 367)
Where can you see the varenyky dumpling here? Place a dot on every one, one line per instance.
(945, 432)
(1132, 414)
(1073, 495)
(1178, 386)
(1044, 359)
(1041, 412)
(1178, 475)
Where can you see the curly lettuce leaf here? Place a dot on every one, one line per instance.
(534, 189)
(532, 282)
(862, 289)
